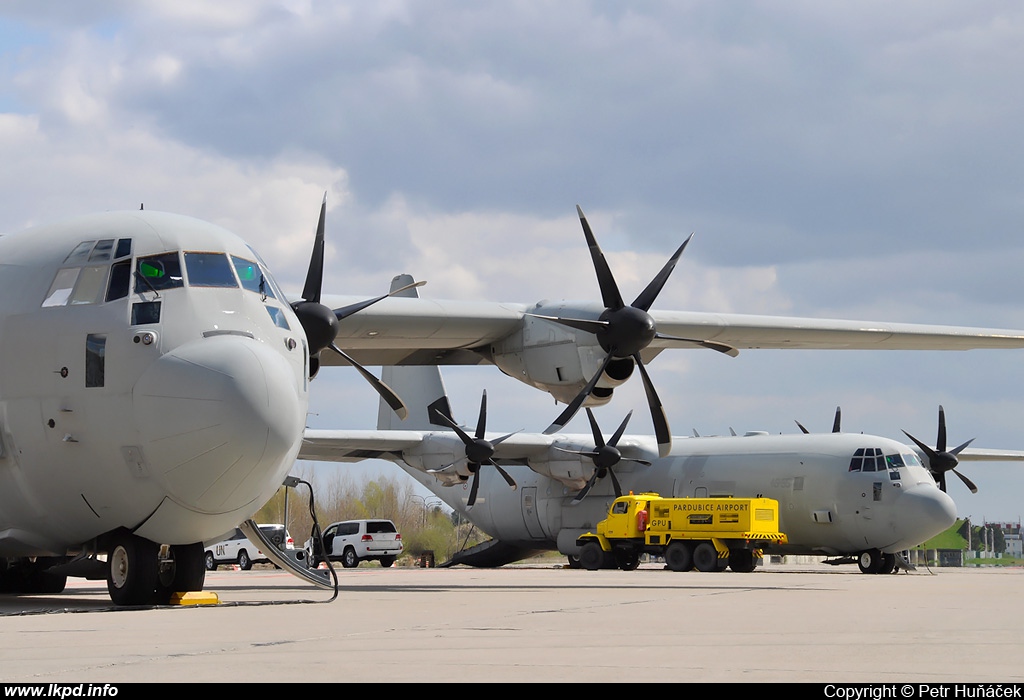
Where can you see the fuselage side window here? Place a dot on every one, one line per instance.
(251, 276)
(158, 272)
(209, 270)
(95, 359)
(124, 248)
(120, 280)
(272, 289)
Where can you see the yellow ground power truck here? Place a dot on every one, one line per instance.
(708, 534)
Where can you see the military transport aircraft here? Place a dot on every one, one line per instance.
(154, 381)
(852, 496)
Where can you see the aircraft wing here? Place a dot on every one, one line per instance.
(984, 455)
(745, 331)
(416, 331)
(357, 445)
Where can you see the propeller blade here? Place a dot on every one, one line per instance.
(481, 421)
(661, 429)
(940, 442)
(578, 498)
(505, 475)
(574, 405)
(466, 439)
(390, 397)
(622, 428)
(835, 423)
(709, 344)
(650, 293)
(804, 430)
(596, 430)
(615, 483)
(315, 273)
(347, 311)
(474, 487)
(967, 482)
(606, 281)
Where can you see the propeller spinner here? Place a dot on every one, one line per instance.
(623, 332)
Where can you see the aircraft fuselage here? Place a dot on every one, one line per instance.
(152, 378)
(830, 503)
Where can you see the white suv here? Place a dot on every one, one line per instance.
(353, 541)
(237, 549)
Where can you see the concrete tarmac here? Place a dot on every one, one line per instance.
(541, 623)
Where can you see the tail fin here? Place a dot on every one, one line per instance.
(420, 387)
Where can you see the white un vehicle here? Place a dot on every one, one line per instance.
(238, 549)
(353, 541)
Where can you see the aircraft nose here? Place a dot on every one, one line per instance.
(927, 511)
(221, 421)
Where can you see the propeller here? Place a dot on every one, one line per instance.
(320, 322)
(623, 332)
(479, 450)
(835, 424)
(605, 455)
(939, 460)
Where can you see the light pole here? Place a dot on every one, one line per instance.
(427, 502)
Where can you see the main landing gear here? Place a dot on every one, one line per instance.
(141, 572)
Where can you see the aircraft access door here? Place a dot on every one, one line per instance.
(531, 515)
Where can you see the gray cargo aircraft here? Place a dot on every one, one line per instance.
(851, 496)
(154, 382)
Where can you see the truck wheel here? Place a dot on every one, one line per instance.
(742, 560)
(705, 557)
(244, 562)
(678, 557)
(627, 559)
(591, 556)
(349, 560)
(211, 563)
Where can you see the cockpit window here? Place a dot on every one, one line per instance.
(158, 272)
(251, 276)
(101, 252)
(870, 459)
(209, 270)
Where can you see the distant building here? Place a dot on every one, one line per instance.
(1012, 538)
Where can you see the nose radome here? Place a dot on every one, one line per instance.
(220, 422)
(928, 511)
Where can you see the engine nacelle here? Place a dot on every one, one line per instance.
(437, 453)
(558, 359)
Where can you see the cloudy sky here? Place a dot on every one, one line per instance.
(842, 160)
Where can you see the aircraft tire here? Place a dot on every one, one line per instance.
(679, 557)
(870, 561)
(186, 573)
(574, 560)
(591, 556)
(133, 569)
(888, 563)
(705, 557)
(387, 561)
